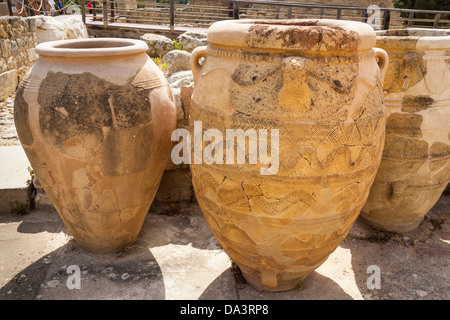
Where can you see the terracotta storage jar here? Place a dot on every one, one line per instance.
(415, 168)
(94, 117)
(316, 88)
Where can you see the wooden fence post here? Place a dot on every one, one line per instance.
(277, 10)
(411, 16)
(365, 15)
(112, 10)
(83, 11)
(437, 17)
(10, 8)
(236, 10)
(172, 15)
(27, 6)
(105, 13)
(230, 6)
(386, 19)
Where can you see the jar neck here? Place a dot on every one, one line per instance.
(256, 55)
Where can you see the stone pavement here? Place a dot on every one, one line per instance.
(14, 178)
(177, 258)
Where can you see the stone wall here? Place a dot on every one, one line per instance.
(18, 38)
(17, 55)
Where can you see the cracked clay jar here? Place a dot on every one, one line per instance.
(94, 117)
(316, 88)
(415, 168)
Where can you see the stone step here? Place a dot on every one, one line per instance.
(17, 196)
(15, 178)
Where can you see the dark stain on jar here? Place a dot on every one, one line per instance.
(84, 105)
(21, 118)
(416, 103)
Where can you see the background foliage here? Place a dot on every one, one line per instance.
(443, 5)
(440, 5)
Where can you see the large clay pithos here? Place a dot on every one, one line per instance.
(94, 117)
(415, 168)
(316, 86)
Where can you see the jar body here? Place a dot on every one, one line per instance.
(97, 134)
(321, 118)
(415, 168)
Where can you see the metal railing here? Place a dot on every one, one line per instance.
(384, 19)
(172, 14)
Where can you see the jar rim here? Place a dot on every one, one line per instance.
(413, 32)
(91, 47)
(415, 38)
(314, 35)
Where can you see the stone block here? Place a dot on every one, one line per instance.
(192, 40)
(50, 29)
(32, 55)
(3, 66)
(11, 62)
(5, 48)
(185, 95)
(3, 32)
(176, 186)
(14, 46)
(22, 71)
(177, 60)
(8, 83)
(32, 25)
(15, 178)
(177, 81)
(158, 45)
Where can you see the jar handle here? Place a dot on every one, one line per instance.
(197, 53)
(295, 94)
(382, 60)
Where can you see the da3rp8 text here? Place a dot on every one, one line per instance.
(246, 309)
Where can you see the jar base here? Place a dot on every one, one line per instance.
(397, 228)
(271, 281)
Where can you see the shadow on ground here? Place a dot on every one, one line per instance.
(177, 257)
(412, 265)
(127, 275)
